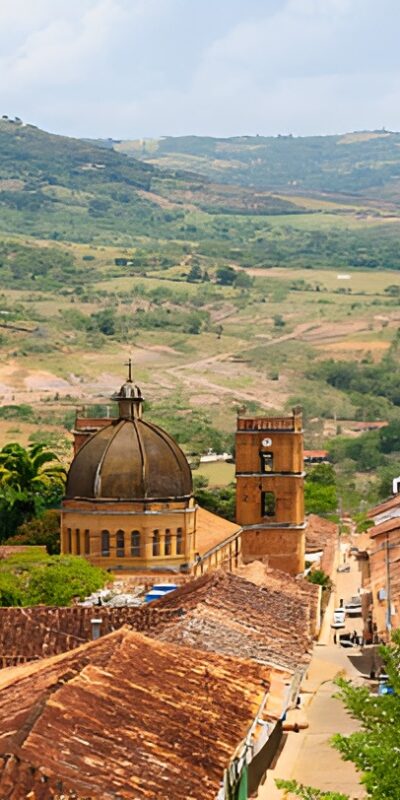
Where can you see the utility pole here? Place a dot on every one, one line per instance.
(388, 589)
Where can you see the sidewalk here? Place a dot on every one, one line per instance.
(307, 756)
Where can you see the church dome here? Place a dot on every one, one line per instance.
(130, 459)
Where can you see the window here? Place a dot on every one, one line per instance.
(268, 504)
(69, 540)
(167, 549)
(87, 543)
(267, 462)
(105, 543)
(156, 543)
(179, 542)
(135, 544)
(120, 542)
(78, 541)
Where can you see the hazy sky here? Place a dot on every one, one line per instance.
(139, 68)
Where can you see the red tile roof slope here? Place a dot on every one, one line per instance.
(126, 717)
(37, 632)
(319, 532)
(225, 613)
(387, 505)
(389, 525)
(211, 530)
(305, 592)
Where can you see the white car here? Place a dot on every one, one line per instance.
(339, 616)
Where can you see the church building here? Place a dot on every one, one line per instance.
(129, 500)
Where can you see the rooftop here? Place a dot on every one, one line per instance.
(319, 533)
(392, 524)
(211, 530)
(127, 717)
(225, 613)
(386, 505)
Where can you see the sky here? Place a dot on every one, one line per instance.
(131, 69)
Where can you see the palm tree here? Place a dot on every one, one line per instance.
(31, 479)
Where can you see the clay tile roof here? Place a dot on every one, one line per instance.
(211, 530)
(389, 525)
(224, 613)
(124, 717)
(387, 505)
(319, 533)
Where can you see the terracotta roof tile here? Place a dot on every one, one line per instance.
(319, 532)
(211, 530)
(227, 614)
(389, 525)
(126, 717)
(387, 505)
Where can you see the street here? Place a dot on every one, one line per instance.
(307, 756)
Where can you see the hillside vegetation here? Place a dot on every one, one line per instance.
(359, 163)
(224, 295)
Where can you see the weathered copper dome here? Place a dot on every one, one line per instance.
(129, 459)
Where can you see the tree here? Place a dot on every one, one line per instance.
(374, 750)
(226, 276)
(61, 580)
(243, 280)
(44, 530)
(31, 480)
(320, 493)
(195, 274)
(35, 578)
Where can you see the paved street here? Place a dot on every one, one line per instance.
(307, 755)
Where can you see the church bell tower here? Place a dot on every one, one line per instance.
(270, 490)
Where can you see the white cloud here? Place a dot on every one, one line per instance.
(146, 67)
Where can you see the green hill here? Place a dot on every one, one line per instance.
(357, 163)
(249, 201)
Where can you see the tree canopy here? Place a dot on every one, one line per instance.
(31, 480)
(374, 749)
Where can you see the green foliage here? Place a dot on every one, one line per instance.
(226, 276)
(307, 792)
(221, 501)
(31, 480)
(44, 530)
(320, 491)
(320, 577)
(382, 380)
(374, 749)
(32, 578)
(62, 579)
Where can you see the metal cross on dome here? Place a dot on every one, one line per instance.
(129, 365)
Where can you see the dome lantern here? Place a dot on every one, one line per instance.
(129, 398)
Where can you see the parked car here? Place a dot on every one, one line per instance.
(339, 616)
(353, 607)
(347, 643)
(343, 568)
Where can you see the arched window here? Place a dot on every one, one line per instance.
(135, 544)
(105, 543)
(156, 543)
(167, 547)
(87, 542)
(179, 541)
(78, 541)
(120, 543)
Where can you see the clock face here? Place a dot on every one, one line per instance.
(266, 442)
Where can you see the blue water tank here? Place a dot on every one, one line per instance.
(164, 587)
(154, 594)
